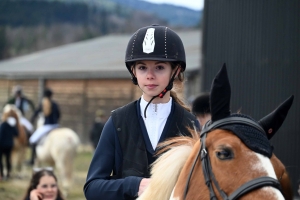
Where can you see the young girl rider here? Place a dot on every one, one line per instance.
(120, 168)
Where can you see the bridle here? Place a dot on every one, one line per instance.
(207, 169)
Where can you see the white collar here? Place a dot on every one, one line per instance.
(160, 110)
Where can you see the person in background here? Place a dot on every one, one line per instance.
(22, 102)
(51, 113)
(8, 130)
(120, 167)
(43, 186)
(98, 125)
(201, 108)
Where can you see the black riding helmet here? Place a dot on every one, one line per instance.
(155, 42)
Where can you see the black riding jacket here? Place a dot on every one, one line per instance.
(125, 150)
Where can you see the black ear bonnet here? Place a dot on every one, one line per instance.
(253, 138)
(254, 134)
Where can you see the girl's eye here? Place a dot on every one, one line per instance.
(141, 67)
(160, 67)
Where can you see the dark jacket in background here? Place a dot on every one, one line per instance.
(23, 101)
(53, 117)
(7, 134)
(95, 133)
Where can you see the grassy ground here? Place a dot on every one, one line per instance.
(14, 188)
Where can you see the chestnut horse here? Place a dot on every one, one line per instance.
(230, 159)
(18, 155)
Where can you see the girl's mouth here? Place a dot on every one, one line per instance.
(151, 86)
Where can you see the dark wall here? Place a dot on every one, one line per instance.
(260, 43)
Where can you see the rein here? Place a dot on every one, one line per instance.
(207, 169)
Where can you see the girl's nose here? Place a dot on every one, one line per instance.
(150, 74)
(50, 189)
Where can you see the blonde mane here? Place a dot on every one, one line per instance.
(173, 152)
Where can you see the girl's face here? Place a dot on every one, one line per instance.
(48, 187)
(153, 77)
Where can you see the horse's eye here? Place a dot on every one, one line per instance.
(224, 154)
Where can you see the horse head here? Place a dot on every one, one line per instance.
(233, 158)
(12, 110)
(236, 154)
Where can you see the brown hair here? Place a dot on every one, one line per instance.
(173, 92)
(35, 180)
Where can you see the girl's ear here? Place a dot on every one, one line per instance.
(133, 70)
(133, 74)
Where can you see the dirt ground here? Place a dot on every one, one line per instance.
(14, 188)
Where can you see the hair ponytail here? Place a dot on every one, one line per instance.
(179, 101)
(180, 79)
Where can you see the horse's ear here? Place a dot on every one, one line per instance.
(272, 122)
(220, 95)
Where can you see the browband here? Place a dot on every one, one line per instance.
(230, 120)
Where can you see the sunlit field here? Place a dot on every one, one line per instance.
(14, 189)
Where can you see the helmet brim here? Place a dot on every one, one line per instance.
(130, 62)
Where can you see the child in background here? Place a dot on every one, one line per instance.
(43, 186)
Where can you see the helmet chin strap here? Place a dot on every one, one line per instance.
(162, 94)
